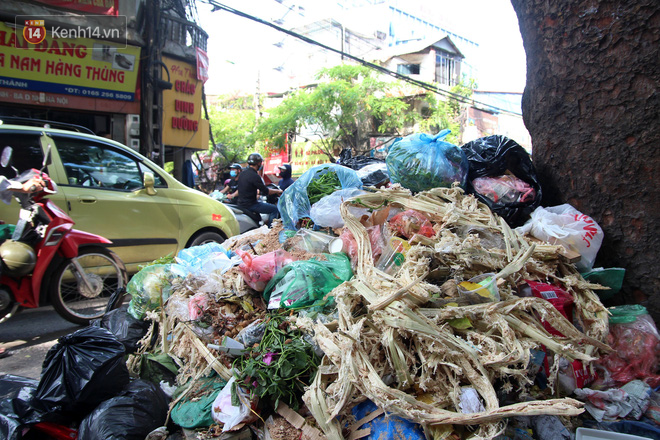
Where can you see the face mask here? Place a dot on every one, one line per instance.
(233, 173)
(261, 167)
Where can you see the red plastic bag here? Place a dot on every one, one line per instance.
(558, 297)
(411, 222)
(258, 271)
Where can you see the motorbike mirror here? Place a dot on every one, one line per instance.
(6, 156)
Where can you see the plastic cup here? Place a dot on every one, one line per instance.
(393, 255)
(484, 285)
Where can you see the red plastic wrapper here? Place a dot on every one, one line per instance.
(411, 222)
(258, 271)
(555, 295)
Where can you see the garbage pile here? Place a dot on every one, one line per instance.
(391, 313)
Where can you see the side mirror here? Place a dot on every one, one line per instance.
(6, 156)
(149, 183)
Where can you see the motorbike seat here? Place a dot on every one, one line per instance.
(253, 215)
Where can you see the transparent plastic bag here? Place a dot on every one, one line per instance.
(294, 203)
(258, 271)
(420, 162)
(326, 212)
(411, 222)
(312, 241)
(149, 289)
(377, 239)
(504, 189)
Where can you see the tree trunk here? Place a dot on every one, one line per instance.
(591, 107)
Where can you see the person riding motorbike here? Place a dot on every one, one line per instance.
(249, 182)
(231, 189)
(285, 175)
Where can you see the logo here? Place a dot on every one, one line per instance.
(34, 31)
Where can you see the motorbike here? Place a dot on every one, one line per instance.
(249, 220)
(46, 260)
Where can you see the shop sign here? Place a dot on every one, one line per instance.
(106, 7)
(275, 160)
(70, 66)
(305, 155)
(183, 125)
(202, 65)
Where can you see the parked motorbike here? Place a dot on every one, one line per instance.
(46, 260)
(249, 220)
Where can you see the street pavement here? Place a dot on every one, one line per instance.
(28, 336)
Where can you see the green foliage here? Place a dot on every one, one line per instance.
(232, 120)
(280, 367)
(445, 113)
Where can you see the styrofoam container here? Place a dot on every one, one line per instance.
(595, 434)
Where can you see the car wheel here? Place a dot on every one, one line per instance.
(206, 237)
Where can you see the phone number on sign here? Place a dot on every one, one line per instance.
(99, 94)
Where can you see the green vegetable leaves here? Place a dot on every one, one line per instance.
(322, 186)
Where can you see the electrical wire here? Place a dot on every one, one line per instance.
(424, 85)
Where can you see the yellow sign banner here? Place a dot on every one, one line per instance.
(305, 155)
(183, 125)
(70, 66)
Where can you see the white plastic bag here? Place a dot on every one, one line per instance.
(224, 412)
(567, 226)
(326, 212)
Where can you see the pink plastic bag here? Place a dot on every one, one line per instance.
(257, 271)
(375, 238)
(504, 189)
(411, 222)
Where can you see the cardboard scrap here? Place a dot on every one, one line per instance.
(298, 421)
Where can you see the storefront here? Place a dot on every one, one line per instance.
(87, 82)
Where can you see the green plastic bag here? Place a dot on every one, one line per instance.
(195, 410)
(149, 289)
(302, 284)
(6, 231)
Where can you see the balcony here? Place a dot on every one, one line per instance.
(182, 36)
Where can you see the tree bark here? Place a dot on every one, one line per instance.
(591, 107)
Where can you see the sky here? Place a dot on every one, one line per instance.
(243, 52)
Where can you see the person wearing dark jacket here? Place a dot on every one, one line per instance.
(285, 174)
(249, 183)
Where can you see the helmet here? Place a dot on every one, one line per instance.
(235, 166)
(255, 159)
(18, 258)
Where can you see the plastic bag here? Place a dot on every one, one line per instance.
(326, 212)
(308, 240)
(124, 326)
(16, 411)
(258, 271)
(375, 174)
(149, 289)
(206, 258)
(294, 203)
(377, 241)
(387, 425)
(82, 370)
(636, 346)
(504, 189)
(224, 410)
(305, 283)
(411, 222)
(493, 156)
(195, 411)
(567, 226)
(131, 415)
(420, 162)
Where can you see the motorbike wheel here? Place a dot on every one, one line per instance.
(79, 303)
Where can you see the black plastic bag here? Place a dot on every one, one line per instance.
(493, 156)
(139, 409)
(16, 394)
(124, 326)
(82, 370)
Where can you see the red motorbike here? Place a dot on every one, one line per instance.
(47, 261)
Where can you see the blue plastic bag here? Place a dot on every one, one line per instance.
(294, 203)
(387, 425)
(420, 162)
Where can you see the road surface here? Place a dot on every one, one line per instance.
(28, 336)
